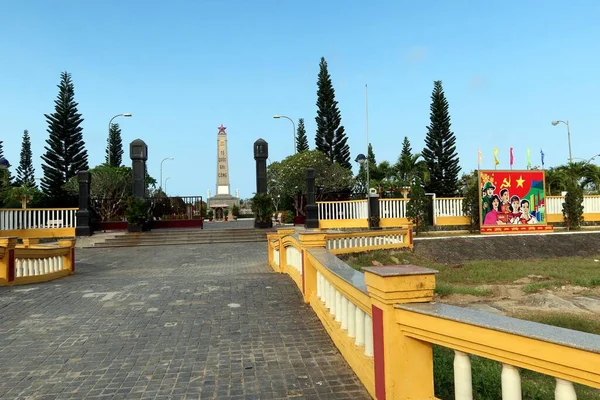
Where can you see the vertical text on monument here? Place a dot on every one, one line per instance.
(222, 164)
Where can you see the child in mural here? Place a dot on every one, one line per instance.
(526, 217)
(486, 199)
(515, 209)
(505, 212)
(491, 217)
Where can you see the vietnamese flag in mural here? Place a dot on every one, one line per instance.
(512, 198)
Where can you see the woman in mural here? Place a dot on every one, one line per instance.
(515, 208)
(491, 218)
(526, 217)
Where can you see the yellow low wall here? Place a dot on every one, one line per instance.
(39, 263)
(454, 221)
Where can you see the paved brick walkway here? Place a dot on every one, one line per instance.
(170, 322)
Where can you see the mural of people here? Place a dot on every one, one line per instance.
(515, 210)
(512, 198)
(526, 217)
(491, 217)
(486, 199)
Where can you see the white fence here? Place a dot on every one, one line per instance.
(293, 257)
(42, 218)
(357, 323)
(350, 209)
(392, 208)
(38, 266)
(448, 207)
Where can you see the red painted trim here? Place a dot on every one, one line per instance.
(378, 358)
(303, 274)
(410, 236)
(11, 265)
(73, 259)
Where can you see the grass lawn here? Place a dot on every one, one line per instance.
(464, 278)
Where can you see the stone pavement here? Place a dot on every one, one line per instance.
(172, 322)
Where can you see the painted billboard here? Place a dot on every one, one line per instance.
(512, 201)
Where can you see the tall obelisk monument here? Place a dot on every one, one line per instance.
(222, 163)
(222, 200)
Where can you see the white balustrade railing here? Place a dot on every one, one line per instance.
(357, 324)
(38, 266)
(350, 209)
(510, 378)
(349, 242)
(294, 258)
(554, 204)
(32, 218)
(591, 204)
(392, 208)
(448, 207)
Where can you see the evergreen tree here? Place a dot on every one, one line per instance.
(374, 173)
(114, 146)
(330, 138)
(301, 139)
(65, 151)
(25, 171)
(417, 207)
(440, 147)
(406, 149)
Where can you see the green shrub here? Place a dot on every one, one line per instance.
(137, 212)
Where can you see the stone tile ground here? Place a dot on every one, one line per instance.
(172, 322)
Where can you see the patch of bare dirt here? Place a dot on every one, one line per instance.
(510, 299)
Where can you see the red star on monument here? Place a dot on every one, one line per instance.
(222, 129)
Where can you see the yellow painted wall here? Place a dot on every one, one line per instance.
(445, 221)
(40, 233)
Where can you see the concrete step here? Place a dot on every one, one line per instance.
(172, 242)
(184, 236)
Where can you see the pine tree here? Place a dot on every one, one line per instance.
(440, 147)
(114, 146)
(25, 171)
(406, 149)
(65, 151)
(301, 139)
(330, 138)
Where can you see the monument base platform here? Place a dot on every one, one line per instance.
(495, 230)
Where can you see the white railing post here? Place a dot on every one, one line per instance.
(564, 390)
(360, 327)
(368, 336)
(344, 312)
(351, 319)
(338, 306)
(463, 380)
(511, 383)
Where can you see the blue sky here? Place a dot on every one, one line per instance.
(185, 67)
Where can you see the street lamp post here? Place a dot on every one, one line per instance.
(277, 116)
(554, 123)
(166, 180)
(110, 124)
(161, 168)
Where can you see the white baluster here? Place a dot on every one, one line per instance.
(338, 306)
(333, 302)
(351, 319)
(463, 384)
(18, 266)
(360, 327)
(368, 336)
(60, 263)
(344, 312)
(511, 383)
(318, 285)
(564, 390)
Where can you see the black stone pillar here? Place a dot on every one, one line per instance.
(83, 215)
(261, 153)
(138, 152)
(373, 211)
(312, 213)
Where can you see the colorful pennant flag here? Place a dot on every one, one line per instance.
(542, 154)
(479, 157)
(512, 158)
(496, 162)
(528, 158)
